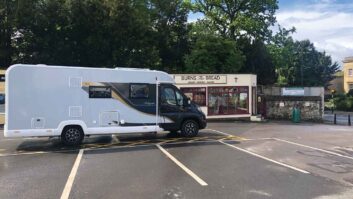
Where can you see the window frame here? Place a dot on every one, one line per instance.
(350, 72)
(176, 101)
(204, 104)
(91, 87)
(132, 84)
(181, 95)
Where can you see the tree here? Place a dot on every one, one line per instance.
(169, 19)
(7, 17)
(40, 32)
(299, 63)
(259, 61)
(212, 54)
(86, 33)
(281, 48)
(237, 19)
(313, 68)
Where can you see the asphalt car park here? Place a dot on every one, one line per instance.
(227, 160)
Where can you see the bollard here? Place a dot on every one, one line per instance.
(334, 119)
(349, 120)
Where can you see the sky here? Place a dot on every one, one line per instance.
(326, 23)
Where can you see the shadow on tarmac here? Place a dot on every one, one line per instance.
(127, 141)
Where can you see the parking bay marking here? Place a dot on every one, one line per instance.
(66, 192)
(141, 143)
(182, 166)
(265, 158)
(227, 134)
(314, 148)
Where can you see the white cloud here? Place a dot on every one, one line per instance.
(327, 24)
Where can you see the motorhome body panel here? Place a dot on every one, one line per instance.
(42, 98)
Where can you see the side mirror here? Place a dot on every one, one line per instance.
(188, 101)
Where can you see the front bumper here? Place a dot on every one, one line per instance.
(203, 123)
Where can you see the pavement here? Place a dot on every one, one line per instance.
(227, 160)
(341, 119)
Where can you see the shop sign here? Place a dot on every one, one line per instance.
(293, 91)
(200, 79)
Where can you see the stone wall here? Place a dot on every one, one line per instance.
(281, 107)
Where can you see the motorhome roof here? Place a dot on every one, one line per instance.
(103, 68)
(143, 69)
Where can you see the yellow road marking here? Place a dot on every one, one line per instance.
(227, 134)
(135, 143)
(117, 143)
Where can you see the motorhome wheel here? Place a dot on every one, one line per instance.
(190, 128)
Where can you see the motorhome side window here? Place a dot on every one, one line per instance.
(100, 92)
(139, 91)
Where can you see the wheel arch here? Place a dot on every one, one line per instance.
(197, 120)
(65, 124)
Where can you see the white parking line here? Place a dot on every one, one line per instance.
(341, 129)
(314, 148)
(23, 153)
(265, 158)
(220, 132)
(66, 192)
(182, 166)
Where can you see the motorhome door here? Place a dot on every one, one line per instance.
(171, 106)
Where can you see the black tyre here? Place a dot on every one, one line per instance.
(189, 128)
(72, 135)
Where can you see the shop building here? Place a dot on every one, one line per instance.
(220, 95)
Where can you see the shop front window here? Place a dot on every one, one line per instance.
(198, 95)
(228, 100)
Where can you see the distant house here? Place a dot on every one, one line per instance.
(336, 84)
(348, 74)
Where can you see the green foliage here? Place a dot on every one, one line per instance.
(343, 103)
(350, 93)
(212, 54)
(124, 33)
(233, 37)
(298, 63)
(259, 62)
(238, 19)
(7, 18)
(170, 22)
(247, 23)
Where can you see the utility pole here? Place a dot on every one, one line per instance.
(301, 71)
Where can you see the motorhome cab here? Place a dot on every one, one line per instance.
(72, 102)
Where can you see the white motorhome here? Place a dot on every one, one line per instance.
(72, 102)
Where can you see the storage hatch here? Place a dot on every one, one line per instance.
(109, 118)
